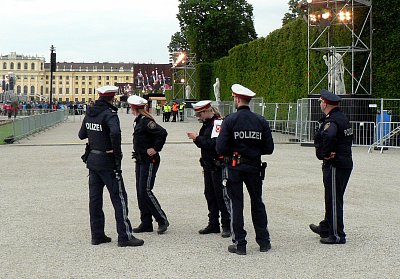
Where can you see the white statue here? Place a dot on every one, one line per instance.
(335, 73)
(216, 90)
(188, 91)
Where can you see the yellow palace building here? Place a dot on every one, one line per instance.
(71, 81)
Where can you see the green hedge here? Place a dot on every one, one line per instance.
(275, 67)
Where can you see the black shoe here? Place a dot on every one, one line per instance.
(104, 239)
(316, 229)
(210, 229)
(143, 228)
(331, 240)
(163, 228)
(234, 249)
(265, 248)
(133, 242)
(226, 232)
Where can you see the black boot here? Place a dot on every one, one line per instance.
(104, 239)
(317, 229)
(133, 242)
(143, 228)
(237, 250)
(226, 232)
(210, 229)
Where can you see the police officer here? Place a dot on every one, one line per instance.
(103, 159)
(333, 146)
(213, 189)
(148, 140)
(244, 137)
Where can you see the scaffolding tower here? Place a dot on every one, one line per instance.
(183, 75)
(349, 65)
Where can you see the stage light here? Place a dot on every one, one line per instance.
(326, 15)
(344, 16)
(313, 18)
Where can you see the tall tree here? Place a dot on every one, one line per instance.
(178, 42)
(297, 8)
(213, 27)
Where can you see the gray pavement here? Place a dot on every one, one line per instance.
(44, 220)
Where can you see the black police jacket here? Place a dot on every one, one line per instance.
(147, 134)
(334, 135)
(102, 129)
(247, 133)
(206, 143)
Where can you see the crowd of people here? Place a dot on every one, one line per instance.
(230, 149)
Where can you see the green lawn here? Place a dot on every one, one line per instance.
(5, 131)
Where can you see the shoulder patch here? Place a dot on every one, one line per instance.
(151, 125)
(326, 126)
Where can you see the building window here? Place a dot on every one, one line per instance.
(126, 78)
(115, 78)
(60, 90)
(67, 77)
(19, 89)
(76, 90)
(107, 78)
(76, 78)
(90, 78)
(99, 83)
(67, 100)
(47, 77)
(67, 90)
(83, 100)
(25, 90)
(12, 66)
(19, 66)
(98, 78)
(41, 66)
(47, 90)
(76, 100)
(107, 83)
(4, 65)
(90, 90)
(41, 90)
(32, 90)
(60, 78)
(83, 90)
(33, 66)
(83, 78)
(25, 66)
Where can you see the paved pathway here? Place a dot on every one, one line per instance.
(44, 224)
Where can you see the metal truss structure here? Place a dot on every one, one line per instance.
(351, 62)
(183, 75)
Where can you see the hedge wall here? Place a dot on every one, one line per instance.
(275, 67)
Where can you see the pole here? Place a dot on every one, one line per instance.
(52, 69)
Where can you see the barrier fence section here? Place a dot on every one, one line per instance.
(24, 126)
(374, 121)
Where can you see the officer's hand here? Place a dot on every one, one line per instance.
(192, 135)
(151, 152)
(331, 156)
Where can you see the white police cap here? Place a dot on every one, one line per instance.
(242, 92)
(201, 105)
(108, 90)
(137, 101)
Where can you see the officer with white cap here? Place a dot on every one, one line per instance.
(213, 189)
(103, 159)
(333, 143)
(148, 140)
(244, 137)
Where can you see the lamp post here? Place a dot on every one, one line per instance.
(52, 69)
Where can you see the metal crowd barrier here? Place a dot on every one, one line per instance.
(25, 126)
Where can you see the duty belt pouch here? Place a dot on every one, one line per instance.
(85, 156)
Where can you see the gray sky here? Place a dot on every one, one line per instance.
(112, 31)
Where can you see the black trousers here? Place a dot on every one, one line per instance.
(251, 177)
(148, 204)
(335, 183)
(119, 199)
(216, 200)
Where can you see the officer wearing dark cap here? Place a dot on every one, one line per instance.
(333, 147)
(103, 159)
(244, 137)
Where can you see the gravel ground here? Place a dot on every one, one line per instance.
(45, 232)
